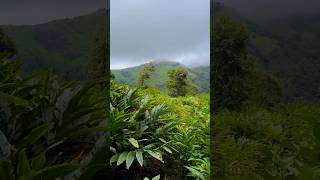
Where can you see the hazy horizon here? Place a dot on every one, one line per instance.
(157, 61)
(176, 30)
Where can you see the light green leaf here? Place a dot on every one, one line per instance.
(134, 142)
(130, 159)
(139, 157)
(195, 173)
(156, 155)
(156, 178)
(167, 149)
(114, 158)
(122, 158)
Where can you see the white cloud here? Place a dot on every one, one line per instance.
(177, 30)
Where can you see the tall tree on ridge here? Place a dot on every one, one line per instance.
(145, 74)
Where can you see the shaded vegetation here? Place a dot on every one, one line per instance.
(255, 133)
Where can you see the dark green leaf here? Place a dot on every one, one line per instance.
(23, 164)
(35, 135)
(38, 162)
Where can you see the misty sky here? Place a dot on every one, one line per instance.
(273, 8)
(39, 11)
(149, 30)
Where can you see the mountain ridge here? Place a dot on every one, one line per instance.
(199, 76)
(288, 48)
(62, 45)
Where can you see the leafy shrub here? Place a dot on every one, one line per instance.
(148, 124)
(49, 128)
(278, 143)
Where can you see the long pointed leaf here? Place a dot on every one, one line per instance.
(34, 135)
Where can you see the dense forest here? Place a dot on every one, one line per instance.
(264, 86)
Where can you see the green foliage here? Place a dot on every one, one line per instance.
(49, 127)
(145, 74)
(98, 63)
(62, 45)
(198, 75)
(154, 132)
(191, 140)
(263, 89)
(229, 63)
(279, 143)
(138, 131)
(288, 48)
(178, 83)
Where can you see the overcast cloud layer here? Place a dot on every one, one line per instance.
(26, 12)
(149, 30)
(273, 8)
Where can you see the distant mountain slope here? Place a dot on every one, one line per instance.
(199, 75)
(289, 48)
(62, 45)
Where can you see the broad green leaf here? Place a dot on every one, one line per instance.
(122, 158)
(38, 162)
(6, 170)
(146, 178)
(14, 99)
(23, 163)
(139, 157)
(130, 159)
(156, 155)
(114, 158)
(156, 178)
(134, 142)
(35, 135)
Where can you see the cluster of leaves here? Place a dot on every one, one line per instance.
(139, 132)
(153, 134)
(190, 143)
(281, 143)
(49, 128)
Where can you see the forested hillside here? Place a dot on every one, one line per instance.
(200, 76)
(259, 72)
(63, 45)
(288, 48)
